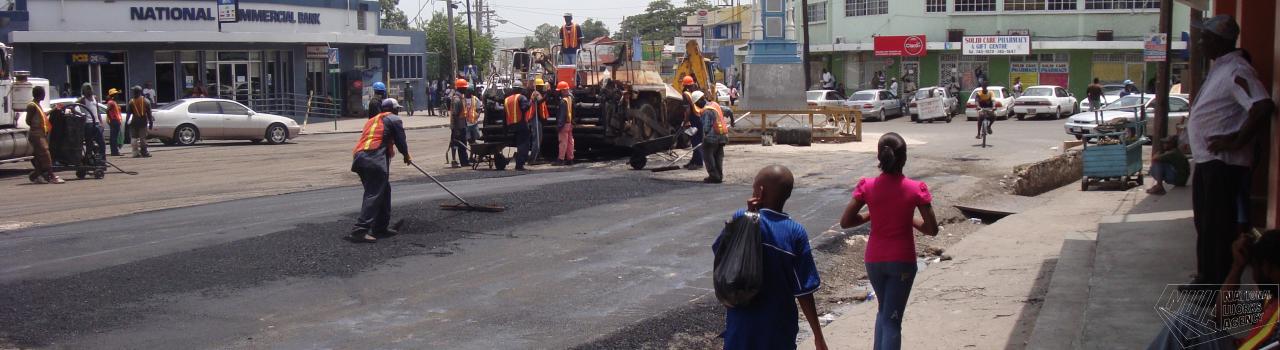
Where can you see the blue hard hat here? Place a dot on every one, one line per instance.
(379, 86)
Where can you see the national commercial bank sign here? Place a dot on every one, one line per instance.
(166, 13)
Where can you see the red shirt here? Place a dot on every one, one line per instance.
(892, 201)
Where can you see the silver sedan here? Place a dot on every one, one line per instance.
(187, 121)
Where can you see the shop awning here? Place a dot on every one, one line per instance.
(201, 37)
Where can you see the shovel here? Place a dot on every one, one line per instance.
(463, 205)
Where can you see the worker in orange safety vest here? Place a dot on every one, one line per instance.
(570, 40)
(564, 125)
(371, 159)
(517, 108)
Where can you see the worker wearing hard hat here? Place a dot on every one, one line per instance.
(371, 159)
(516, 108)
(375, 101)
(715, 127)
(538, 114)
(570, 40)
(464, 113)
(564, 125)
(693, 120)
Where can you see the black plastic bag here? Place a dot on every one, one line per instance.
(739, 261)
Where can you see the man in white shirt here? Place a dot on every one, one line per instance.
(1224, 122)
(828, 80)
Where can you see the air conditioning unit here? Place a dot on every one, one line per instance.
(1105, 35)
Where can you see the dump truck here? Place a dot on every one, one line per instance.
(618, 103)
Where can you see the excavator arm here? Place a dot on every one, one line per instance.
(693, 64)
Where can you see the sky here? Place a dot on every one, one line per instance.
(525, 15)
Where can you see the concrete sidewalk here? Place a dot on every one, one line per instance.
(989, 296)
(419, 120)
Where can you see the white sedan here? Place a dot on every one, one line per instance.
(1044, 99)
(823, 98)
(1084, 122)
(1110, 93)
(187, 121)
(1003, 103)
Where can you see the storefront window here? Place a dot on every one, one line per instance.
(963, 70)
(1115, 68)
(166, 69)
(1040, 69)
(102, 70)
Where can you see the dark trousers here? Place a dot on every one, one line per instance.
(535, 139)
(115, 138)
(694, 141)
(457, 144)
(1215, 187)
(375, 209)
(94, 134)
(713, 156)
(524, 141)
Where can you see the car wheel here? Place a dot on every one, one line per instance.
(882, 116)
(186, 135)
(277, 134)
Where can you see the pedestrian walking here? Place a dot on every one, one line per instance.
(1094, 94)
(790, 276)
(892, 199)
(1017, 87)
(93, 126)
(893, 87)
(38, 138)
(716, 130)
(375, 102)
(407, 94)
(140, 121)
(1227, 117)
(380, 138)
(693, 119)
(114, 121)
(517, 123)
(564, 125)
(464, 113)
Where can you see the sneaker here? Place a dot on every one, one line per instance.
(57, 180)
(568, 162)
(361, 235)
(115, 154)
(977, 136)
(37, 179)
(454, 165)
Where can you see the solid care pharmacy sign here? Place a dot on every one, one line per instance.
(996, 45)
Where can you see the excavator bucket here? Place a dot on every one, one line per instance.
(692, 65)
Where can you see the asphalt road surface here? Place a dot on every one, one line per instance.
(231, 245)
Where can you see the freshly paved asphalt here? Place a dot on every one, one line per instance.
(577, 256)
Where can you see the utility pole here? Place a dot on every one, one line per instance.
(471, 36)
(453, 42)
(1162, 79)
(804, 56)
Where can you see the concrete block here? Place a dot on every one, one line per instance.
(774, 86)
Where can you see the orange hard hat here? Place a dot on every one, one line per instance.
(688, 80)
(461, 83)
(564, 85)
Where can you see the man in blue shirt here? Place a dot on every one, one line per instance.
(770, 321)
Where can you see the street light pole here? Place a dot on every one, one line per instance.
(471, 38)
(453, 42)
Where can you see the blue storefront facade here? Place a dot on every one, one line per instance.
(281, 52)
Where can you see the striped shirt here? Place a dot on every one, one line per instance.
(1221, 107)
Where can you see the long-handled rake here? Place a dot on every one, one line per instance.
(463, 205)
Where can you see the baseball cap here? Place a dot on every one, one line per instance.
(1223, 26)
(390, 104)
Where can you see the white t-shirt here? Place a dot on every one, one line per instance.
(1222, 106)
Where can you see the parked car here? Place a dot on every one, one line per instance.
(875, 104)
(1110, 93)
(948, 101)
(187, 121)
(1048, 100)
(1084, 122)
(722, 94)
(1003, 103)
(823, 98)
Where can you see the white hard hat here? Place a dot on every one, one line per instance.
(697, 95)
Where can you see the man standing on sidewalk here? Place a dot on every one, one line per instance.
(371, 159)
(140, 121)
(1225, 120)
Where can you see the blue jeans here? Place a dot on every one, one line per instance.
(1162, 172)
(892, 283)
(569, 57)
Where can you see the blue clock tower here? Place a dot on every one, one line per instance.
(773, 59)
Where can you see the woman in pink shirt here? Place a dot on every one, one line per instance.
(892, 200)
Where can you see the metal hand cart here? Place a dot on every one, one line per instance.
(1117, 161)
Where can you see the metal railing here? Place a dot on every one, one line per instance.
(300, 107)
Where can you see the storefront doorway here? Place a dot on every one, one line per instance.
(99, 69)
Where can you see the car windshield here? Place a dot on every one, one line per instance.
(863, 96)
(170, 105)
(1038, 92)
(1129, 102)
(814, 95)
(1112, 89)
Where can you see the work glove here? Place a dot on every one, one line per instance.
(407, 159)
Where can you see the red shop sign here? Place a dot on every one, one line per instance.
(900, 45)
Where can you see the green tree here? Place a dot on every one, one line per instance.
(592, 29)
(544, 35)
(392, 17)
(660, 21)
(437, 30)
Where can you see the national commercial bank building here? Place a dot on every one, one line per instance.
(280, 48)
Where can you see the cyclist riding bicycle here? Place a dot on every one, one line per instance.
(986, 103)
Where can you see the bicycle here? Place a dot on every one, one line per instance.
(985, 116)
